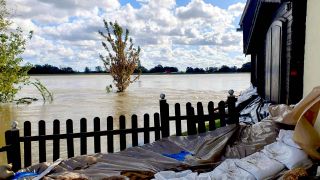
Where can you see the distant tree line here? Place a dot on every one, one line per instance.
(246, 67)
(50, 69)
(157, 69)
(97, 69)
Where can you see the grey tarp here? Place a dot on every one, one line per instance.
(251, 106)
(211, 147)
(250, 139)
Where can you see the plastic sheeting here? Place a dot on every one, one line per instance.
(278, 112)
(250, 139)
(207, 148)
(181, 156)
(252, 107)
(246, 94)
(254, 112)
(266, 164)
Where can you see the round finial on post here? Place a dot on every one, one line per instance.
(231, 92)
(162, 96)
(14, 125)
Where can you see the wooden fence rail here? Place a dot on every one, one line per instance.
(196, 123)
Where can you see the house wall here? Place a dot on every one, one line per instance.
(312, 45)
(312, 54)
(292, 14)
(297, 52)
(289, 53)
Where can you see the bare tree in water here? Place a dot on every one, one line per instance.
(122, 58)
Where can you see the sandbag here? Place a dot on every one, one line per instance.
(279, 111)
(259, 165)
(291, 157)
(286, 137)
(171, 175)
(229, 170)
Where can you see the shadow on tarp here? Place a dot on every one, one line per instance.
(208, 148)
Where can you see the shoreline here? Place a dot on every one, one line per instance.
(81, 74)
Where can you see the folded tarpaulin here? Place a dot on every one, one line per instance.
(251, 107)
(264, 164)
(206, 148)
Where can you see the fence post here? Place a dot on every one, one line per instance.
(233, 115)
(191, 121)
(164, 116)
(222, 113)
(56, 141)
(13, 153)
(157, 126)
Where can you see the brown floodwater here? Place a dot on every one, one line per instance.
(78, 96)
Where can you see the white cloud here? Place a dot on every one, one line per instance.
(143, 1)
(200, 9)
(236, 9)
(197, 34)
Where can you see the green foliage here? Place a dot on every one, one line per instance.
(50, 69)
(122, 58)
(4, 23)
(87, 70)
(12, 44)
(13, 76)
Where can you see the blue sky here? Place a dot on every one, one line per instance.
(220, 3)
(198, 33)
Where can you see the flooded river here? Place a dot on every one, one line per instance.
(78, 96)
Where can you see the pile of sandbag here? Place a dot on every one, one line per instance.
(275, 157)
(291, 150)
(173, 153)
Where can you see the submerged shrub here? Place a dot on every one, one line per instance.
(122, 58)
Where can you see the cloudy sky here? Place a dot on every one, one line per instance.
(181, 33)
